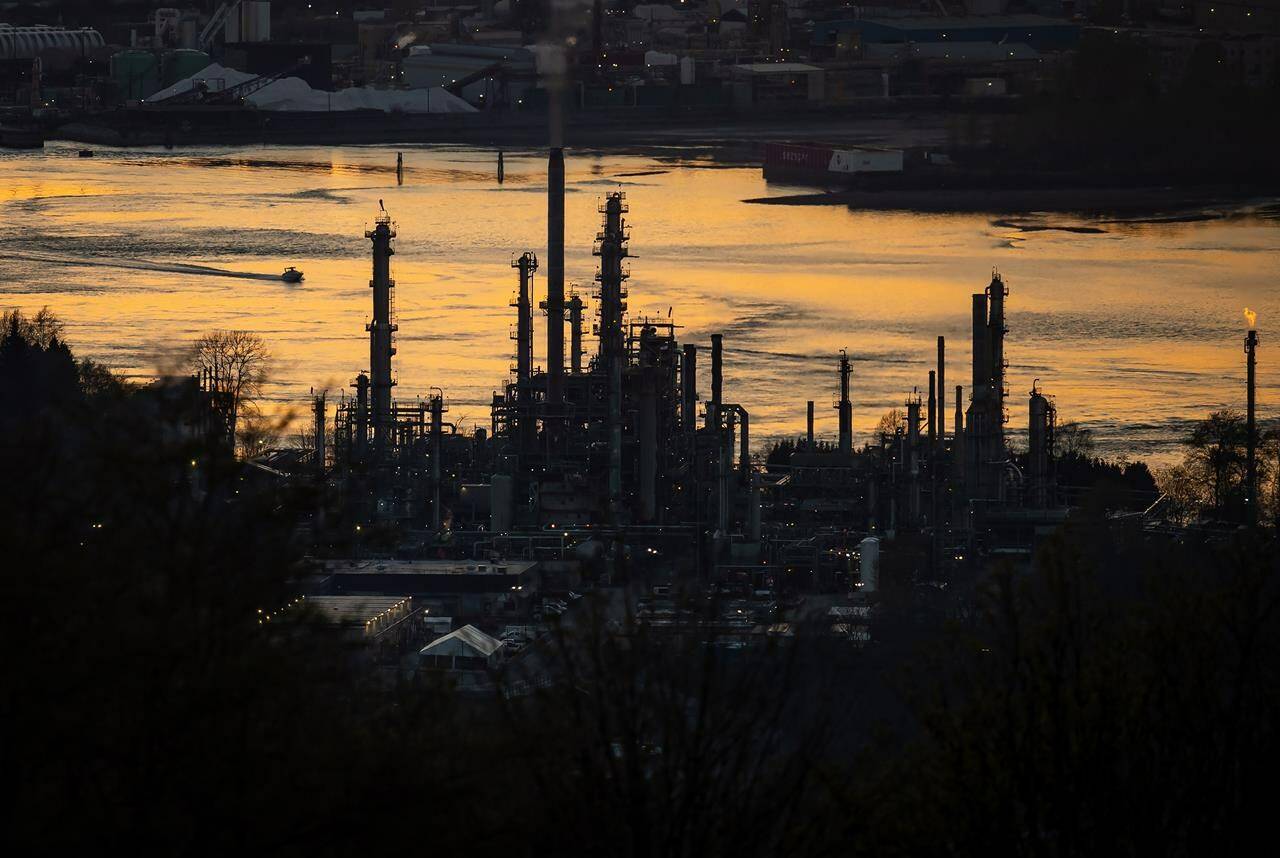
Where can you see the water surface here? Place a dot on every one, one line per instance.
(1135, 326)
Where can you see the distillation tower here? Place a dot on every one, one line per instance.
(987, 454)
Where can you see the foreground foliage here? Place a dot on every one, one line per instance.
(1122, 698)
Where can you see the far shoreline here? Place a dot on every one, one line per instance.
(1186, 204)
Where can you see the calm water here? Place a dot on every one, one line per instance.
(1136, 329)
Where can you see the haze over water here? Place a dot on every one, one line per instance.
(1135, 327)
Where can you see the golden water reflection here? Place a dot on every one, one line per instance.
(1135, 330)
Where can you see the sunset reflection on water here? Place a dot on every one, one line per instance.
(1136, 330)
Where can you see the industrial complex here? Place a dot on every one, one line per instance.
(610, 465)
(143, 73)
(619, 596)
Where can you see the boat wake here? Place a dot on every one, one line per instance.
(140, 265)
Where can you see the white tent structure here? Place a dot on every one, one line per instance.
(293, 94)
(466, 648)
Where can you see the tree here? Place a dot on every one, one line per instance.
(652, 742)
(1187, 494)
(1211, 478)
(258, 431)
(37, 372)
(236, 365)
(1217, 453)
(175, 718)
(893, 422)
(1072, 439)
(779, 455)
(40, 330)
(1098, 483)
(1119, 698)
(41, 338)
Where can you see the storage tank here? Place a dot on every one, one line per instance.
(869, 564)
(501, 503)
(30, 42)
(251, 22)
(687, 71)
(136, 74)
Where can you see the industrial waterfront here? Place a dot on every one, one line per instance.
(752, 428)
(1131, 321)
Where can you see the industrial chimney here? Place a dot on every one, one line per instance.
(933, 413)
(575, 333)
(1251, 461)
(1040, 431)
(381, 329)
(527, 264)
(555, 278)
(319, 454)
(689, 389)
(942, 393)
(717, 380)
(845, 407)
(612, 250)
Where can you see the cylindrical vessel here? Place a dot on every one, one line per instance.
(869, 564)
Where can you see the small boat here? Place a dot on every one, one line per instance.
(86, 153)
(291, 275)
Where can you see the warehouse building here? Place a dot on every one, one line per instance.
(465, 651)
(776, 84)
(1035, 31)
(459, 588)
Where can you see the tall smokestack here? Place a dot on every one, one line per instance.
(809, 433)
(913, 457)
(526, 264)
(933, 411)
(725, 456)
(361, 440)
(1251, 460)
(717, 380)
(980, 394)
(981, 348)
(381, 329)
(942, 392)
(845, 408)
(555, 277)
(319, 429)
(437, 472)
(612, 250)
(689, 388)
(996, 331)
(527, 432)
(575, 334)
(1040, 426)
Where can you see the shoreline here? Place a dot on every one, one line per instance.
(1096, 201)
(923, 126)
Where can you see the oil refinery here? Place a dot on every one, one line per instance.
(609, 465)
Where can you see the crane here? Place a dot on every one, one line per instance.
(218, 18)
